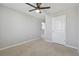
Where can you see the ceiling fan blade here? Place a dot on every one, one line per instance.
(30, 5)
(32, 10)
(44, 7)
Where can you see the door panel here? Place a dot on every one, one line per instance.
(58, 29)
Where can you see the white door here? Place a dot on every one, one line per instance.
(58, 29)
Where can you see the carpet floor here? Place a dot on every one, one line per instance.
(39, 48)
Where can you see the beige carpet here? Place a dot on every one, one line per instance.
(39, 48)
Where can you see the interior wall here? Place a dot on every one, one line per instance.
(71, 22)
(16, 27)
(48, 29)
(78, 28)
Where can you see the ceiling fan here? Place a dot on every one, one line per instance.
(37, 8)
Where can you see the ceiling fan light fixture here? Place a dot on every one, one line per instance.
(38, 11)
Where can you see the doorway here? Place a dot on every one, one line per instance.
(58, 29)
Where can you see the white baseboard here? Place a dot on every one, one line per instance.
(17, 44)
(71, 46)
(62, 44)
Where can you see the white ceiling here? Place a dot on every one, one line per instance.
(55, 7)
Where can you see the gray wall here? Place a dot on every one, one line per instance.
(71, 22)
(16, 27)
(78, 28)
(48, 28)
(71, 26)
